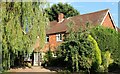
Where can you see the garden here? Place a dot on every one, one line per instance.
(94, 50)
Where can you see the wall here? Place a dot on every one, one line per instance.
(52, 44)
(108, 22)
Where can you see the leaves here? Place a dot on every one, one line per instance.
(77, 50)
(108, 40)
(55, 9)
(90, 50)
(22, 22)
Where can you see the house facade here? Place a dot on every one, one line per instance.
(54, 35)
(59, 27)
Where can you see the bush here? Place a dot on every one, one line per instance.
(47, 57)
(91, 50)
(97, 54)
(108, 40)
(80, 51)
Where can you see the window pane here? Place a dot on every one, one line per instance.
(58, 37)
(47, 38)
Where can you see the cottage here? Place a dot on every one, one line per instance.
(54, 35)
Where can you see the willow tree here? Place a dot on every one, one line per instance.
(0, 43)
(22, 22)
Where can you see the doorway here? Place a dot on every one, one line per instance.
(37, 57)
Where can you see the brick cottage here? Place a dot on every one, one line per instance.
(58, 27)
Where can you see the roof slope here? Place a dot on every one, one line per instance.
(94, 18)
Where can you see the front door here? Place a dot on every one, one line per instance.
(35, 59)
(36, 56)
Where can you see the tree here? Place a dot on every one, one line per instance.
(22, 22)
(83, 50)
(108, 40)
(80, 50)
(55, 9)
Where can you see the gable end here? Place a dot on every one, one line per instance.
(108, 21)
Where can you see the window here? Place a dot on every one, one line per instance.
(58, 37)
(47, 39)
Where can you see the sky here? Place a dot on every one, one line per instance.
(87, 7)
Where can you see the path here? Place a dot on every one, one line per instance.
(33, 69)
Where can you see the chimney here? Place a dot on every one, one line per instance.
(60, 17)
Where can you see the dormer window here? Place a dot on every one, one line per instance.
(47, 39)
(58, 37)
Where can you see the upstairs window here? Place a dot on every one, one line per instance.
(58, 37)
(47, 39)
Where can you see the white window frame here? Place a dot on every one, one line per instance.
(58, 37)
(47, 37)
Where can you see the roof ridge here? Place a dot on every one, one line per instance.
(89, 13)
(94, 18)
(85, 14)
(95, 12)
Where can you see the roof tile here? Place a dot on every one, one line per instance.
(94, 18)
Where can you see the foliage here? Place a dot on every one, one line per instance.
(97, 52)
(50, 61)
(48, 56)
(106, 60)
(95, 49)
(0, 50)
(80, 51)
(118, 51)
(108, 40)
(91, 50)
(22, 22)
(55, 9)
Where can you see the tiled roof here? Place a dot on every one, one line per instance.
(94, 18)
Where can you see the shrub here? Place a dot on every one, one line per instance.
(47, 57)
(97, 54)
(80, 51)
(91, 50)
(106, 60)
(108, 40)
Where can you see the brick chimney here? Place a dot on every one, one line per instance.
(60, 17)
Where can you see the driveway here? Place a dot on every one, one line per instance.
(32, 69)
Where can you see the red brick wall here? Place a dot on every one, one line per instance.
(52, 41)
(108, 22)
(52, 44)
